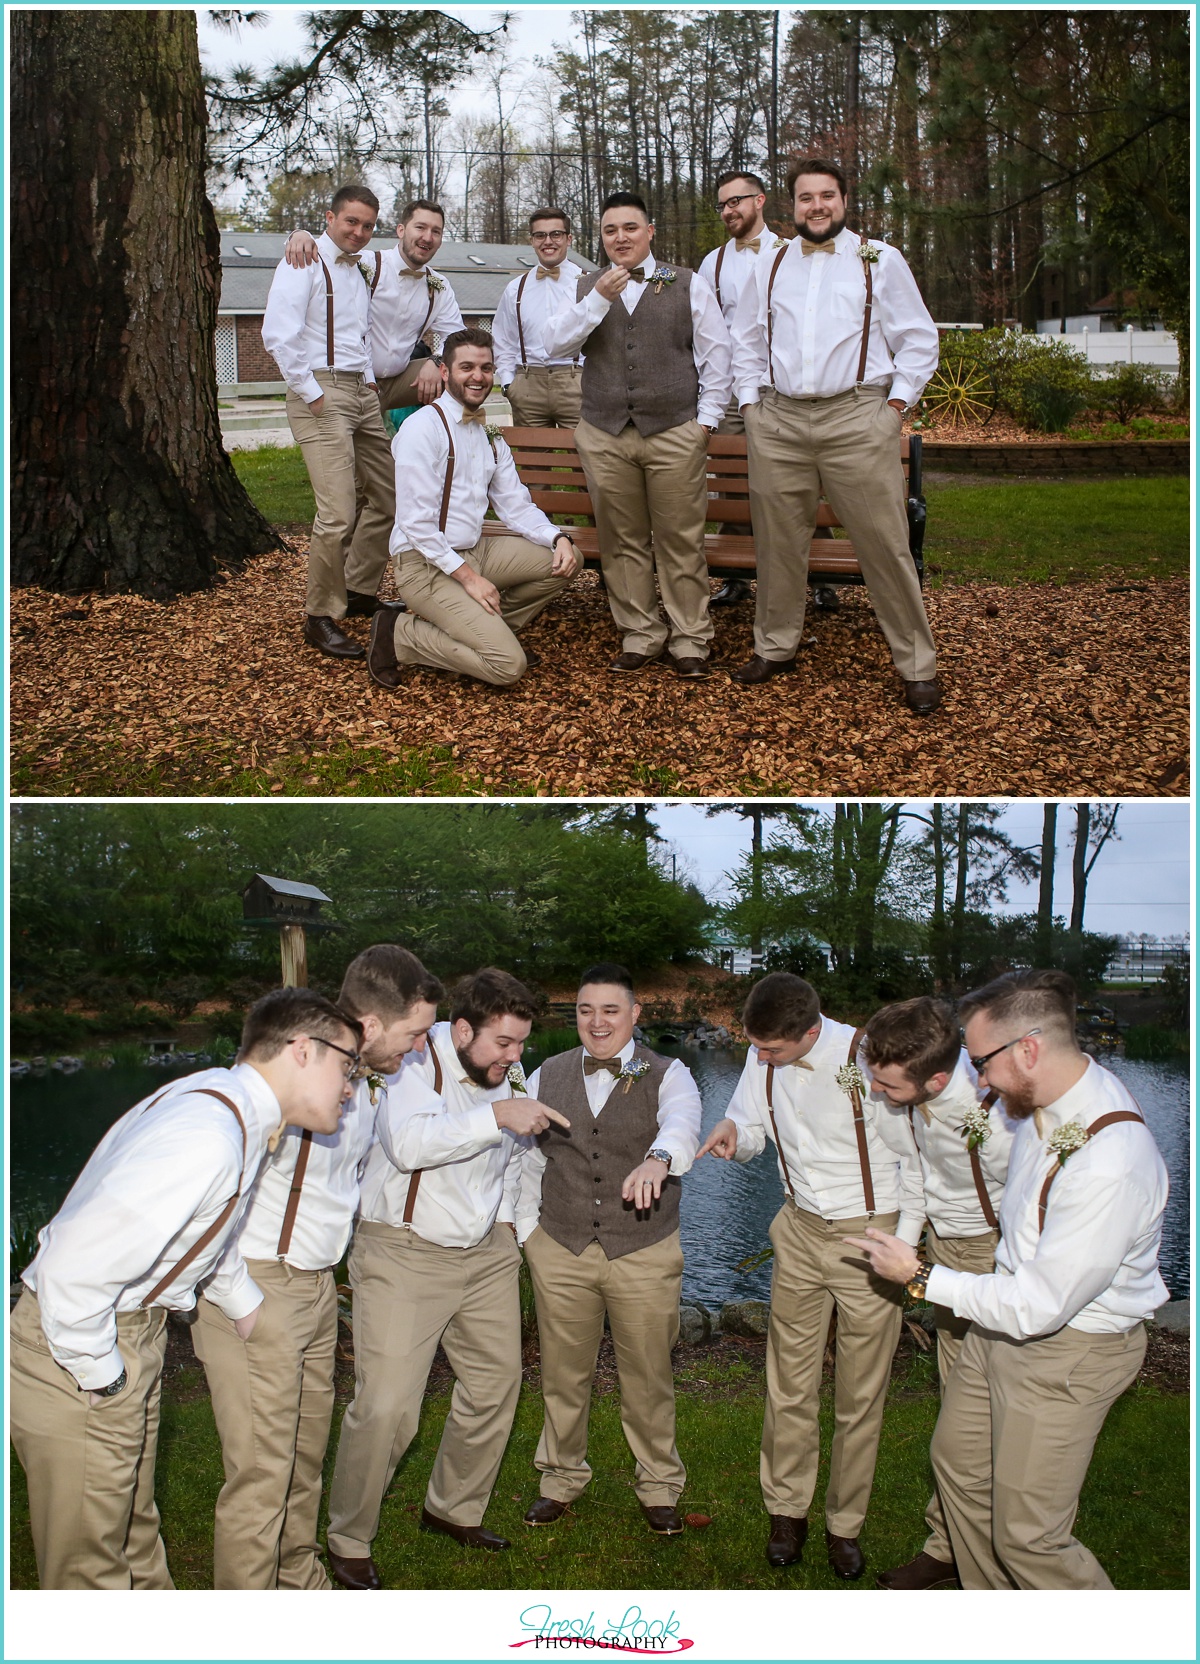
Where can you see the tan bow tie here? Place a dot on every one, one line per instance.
(552, 272)
(479, 415)
(748, 242)
(347, 260)
(816, 248)
(407, 271)
(594, 1065)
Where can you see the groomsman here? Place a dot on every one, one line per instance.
(316, 328)
(468, 596)
(435, 1260)
(913, 1051)
(832, 343)
(844, 1160)
(272, 1388)
(741, 198)
(1058, 1331)
(599, 1219)
(143, 1224)
(656, 378)
(542, 390)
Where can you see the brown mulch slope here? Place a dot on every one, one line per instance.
(1078, 690)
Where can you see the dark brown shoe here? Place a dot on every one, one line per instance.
(663, 1521)
(323, 634)
(382, 664)
(845, 1556)
(826, 598)
(922, 697)
(761, 670)
(470, 1536)
(691, 670)
(730, 593)
(627, 663)
(361, 605)
(785, 1545)
(545, 1511)
(355, 1574)
(922, 1573)
(532, 659)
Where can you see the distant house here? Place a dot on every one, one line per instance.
(478, 274)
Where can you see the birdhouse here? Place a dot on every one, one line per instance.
(281, 901)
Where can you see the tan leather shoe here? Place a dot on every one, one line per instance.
(761, 670)
(470, 1536)
(923, 697)
(323, 634)
(355, 1574)
(785, 1545)
(922, 1573)
(845, 1556)
(545, 1511)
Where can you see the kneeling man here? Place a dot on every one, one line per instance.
(468, 596)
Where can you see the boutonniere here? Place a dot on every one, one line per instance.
(868, 255)
(778, 244)
(1065, 1140)
(976, 1127)
(435, 283)
(493, 433)
(633, 1070)
(367, 277)
(851, 1079)
(661, 275)
(375, 1085)
(516, 1079)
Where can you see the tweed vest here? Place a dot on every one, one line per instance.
(587, 1165)
(638, 366)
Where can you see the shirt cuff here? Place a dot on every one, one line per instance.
(748, 395)
(94, 1374)
(709, 416)
(903, 390)
(910, 1227)
(939, 1290)
(239, 1302)
(309, 389)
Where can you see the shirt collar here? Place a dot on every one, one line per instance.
(624, 1056)
(330, 251)
(453, 410)
(959, 1092)
(1073, 1105)
(266, 1113)
(649, 264)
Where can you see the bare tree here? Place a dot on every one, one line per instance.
(1095, 825)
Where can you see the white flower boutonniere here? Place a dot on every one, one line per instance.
(633, 1070)
(1065, 1140)
(493, 433)
(516, 1079)
(661, 275)
(375, 1085)
(778, 244)
(868, 255)
(434, 282)
(976, 1127)
(851, 1079)
(367, 277)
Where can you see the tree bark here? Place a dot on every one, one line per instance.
(1079, 867)
(1045, 912)
(119, 479)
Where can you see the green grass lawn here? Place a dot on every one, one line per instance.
(1133, 1514)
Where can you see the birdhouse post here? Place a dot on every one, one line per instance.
(293, 909)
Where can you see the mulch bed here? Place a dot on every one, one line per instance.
(1050, 691)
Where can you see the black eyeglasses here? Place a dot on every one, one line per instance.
(356, 1062)
(979, 1064)
(732, 201)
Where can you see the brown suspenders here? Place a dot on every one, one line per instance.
(444, 513)
(328, 313)
(225, 1213)
(414, 1184)
(787, 1177)
(378, 270)
(860, 1130)
(717, 271)
(770, 319)
(867, 308)
(1109, 1120)
(293, 1201)
(520, 325)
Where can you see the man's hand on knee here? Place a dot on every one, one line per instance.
(429, 383)
(478, 587)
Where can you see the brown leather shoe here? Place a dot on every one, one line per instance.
(691, 670)
(761, 670)
(923, 697)
(545, 1511)
(826, 598)
(627, 663)
(322, 633)
(922, 1573)
(785, 1545)
(663, 1521)
(382, 664)
(470, 1536)
(845, 1556)
(532, 659)
(361, 605)
(355, 1574)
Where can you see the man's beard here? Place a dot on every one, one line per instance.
(1019, 1103)
(475, 1072)
(835, 226)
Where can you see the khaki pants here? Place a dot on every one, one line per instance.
(545, 395)
(410, 1294)
(1011, 1450)
(396, 392)
(651, 501)
(640, 1292)
(847, 447)
(976, 1254)
(90, 1467)
(732, 421)
(814, 1272)
(347, 437)
(272, 1397)
(450, 630)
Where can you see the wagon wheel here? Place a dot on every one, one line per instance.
(960, 394)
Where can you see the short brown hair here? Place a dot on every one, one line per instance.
(1027, 999)
(354, 193)
(387, 981)
(471, 336)
(416, 205)
(813, 164)
(920, 1035)
(781, 1007)
(280, 1016)
(740, 173)
(550, 214)
(490, 993)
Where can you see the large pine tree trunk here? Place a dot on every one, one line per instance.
(119, 479)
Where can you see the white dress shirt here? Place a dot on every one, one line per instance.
(679, 1114)
(324, 1216)
(420, 450)
(952, 1203)
(815, 1118)
(295, 319)
(469, 1172)
(152, 1186)
(737, 266)
(568, 330)
(817, 307)
(399, 307)
(542, 298)
(1095, 1266)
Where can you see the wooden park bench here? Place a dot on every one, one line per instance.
(548, 463)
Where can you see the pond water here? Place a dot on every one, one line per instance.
(56, 1121)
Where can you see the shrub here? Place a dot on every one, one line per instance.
(1037, 376)
(1050, 405)
(1130, 390)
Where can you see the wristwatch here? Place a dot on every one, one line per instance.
(658, 1155)
(112, 1389)
(916, 1283)
(567, 535)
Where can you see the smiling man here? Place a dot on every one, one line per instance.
(543, 390)
(435, 1261)
(741, 199)
(145, 1223)
(599, 1220)
(468, 596)
(270, 1372)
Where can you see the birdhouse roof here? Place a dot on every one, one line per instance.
(286, 887)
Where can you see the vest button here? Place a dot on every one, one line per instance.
(597, 1178)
